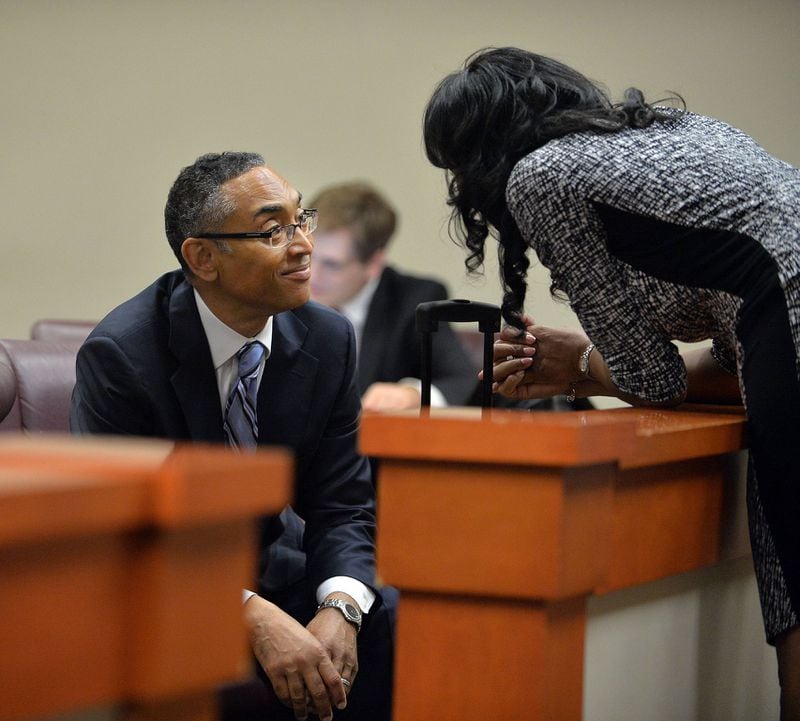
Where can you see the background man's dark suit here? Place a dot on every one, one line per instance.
(146, 370)
(390, 344)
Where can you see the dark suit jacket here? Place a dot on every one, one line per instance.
(146, 370)
(390, 345)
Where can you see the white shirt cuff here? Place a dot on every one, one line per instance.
(437, 397)
(360, 593)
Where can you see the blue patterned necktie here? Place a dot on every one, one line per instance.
(241, 417)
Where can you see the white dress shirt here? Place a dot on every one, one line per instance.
(224, 343)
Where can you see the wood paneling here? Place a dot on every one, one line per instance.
(121, 569)
(497, 527)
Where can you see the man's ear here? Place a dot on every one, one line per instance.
(200, 256)
(376, 264)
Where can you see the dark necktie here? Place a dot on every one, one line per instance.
(241, 417)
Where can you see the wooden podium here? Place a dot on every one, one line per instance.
(497, 529)
(121, 569)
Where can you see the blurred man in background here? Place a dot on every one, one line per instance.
(351, 273)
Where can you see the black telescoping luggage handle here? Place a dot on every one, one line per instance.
(457, 310)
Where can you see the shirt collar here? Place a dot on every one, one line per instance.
(223, 341)
(355, 310)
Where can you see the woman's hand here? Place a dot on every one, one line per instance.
(538, 363)
(541, 362)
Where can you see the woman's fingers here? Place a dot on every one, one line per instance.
(515, 335)
(508, 351)
(507, 365)
(509, 384)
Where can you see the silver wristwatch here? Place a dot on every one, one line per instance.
(583, 363)
(349, 610)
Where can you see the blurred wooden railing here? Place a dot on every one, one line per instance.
(121, 569)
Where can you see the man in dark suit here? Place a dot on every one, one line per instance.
(351, 274)
(166, 363)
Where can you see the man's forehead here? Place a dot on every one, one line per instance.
(334, 242)
(263, 184)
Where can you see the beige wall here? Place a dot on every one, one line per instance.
(103, 102)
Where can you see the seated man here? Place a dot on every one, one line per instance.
(228, 349)
(351, 274)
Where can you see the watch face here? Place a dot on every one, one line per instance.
(349, 611)
(352, 611)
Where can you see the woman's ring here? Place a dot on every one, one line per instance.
(509, 357)
(346, 683)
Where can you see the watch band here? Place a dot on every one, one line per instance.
(583, 362)
(351, 612)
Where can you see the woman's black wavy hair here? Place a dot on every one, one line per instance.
(481, 120)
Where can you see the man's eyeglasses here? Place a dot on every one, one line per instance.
(277, 237)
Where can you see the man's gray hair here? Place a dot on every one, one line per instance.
(196, 203)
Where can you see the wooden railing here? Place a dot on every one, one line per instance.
(497, 529)
(121, 569)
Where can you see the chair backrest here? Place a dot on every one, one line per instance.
(37, 377)
(62, 331)
(8, 388)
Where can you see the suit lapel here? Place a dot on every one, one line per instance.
(194, 380)
(370, 355)
(285, 395)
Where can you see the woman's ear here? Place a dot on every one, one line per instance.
(201, 258)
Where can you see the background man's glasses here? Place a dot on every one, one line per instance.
(277, 237)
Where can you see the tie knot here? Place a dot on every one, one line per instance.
(249, 356)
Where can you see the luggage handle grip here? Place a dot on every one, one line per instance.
(457, 310)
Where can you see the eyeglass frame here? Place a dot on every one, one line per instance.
(290, 228)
